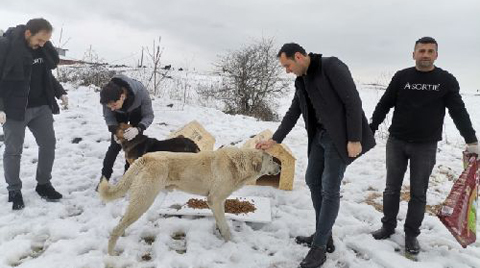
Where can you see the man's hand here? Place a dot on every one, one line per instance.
(354, 148)
(64, 99)
(264, 145)
(472, 148)
(3, 117)
(130, 133)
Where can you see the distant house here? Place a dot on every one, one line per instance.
(61, 51)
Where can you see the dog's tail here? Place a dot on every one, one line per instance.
(110, 192)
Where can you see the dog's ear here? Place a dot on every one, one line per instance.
(119, 133)
(123, 126)
(257, 163)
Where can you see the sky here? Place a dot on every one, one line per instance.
(374, 38)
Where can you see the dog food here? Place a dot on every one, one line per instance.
(233, 206)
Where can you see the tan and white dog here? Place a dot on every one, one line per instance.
(214, 174)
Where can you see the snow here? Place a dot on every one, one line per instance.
(74, 231)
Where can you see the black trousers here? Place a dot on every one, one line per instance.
(133, 118)
(422, 157)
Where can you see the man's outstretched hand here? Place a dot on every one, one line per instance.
(264, 145)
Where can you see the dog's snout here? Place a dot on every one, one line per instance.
(276, 169)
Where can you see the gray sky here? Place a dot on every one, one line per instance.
(373, 37)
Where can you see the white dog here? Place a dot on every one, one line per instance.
(214, 174)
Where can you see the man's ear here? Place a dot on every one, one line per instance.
(27, 34)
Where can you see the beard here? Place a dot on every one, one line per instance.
(425, 63)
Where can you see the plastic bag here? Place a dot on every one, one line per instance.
(459, 210)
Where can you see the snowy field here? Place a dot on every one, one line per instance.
(74, 232)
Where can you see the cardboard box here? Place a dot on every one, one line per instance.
(197, 133)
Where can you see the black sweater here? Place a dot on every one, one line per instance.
(420, 99)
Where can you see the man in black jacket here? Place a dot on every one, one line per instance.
(420, 95)
(337, 130)
(27, 99)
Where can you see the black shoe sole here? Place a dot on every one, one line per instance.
(51, 199)
(18, 207)
(383, 237)
(323, 261)
(412, 251)
(328, 249)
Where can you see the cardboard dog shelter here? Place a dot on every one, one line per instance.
(282, 154)
(197, 133)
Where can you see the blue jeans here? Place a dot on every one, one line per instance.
(422, 158)
(324, 176)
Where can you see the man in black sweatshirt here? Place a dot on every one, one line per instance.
(27, 99)
(337, 130)
(420, 95)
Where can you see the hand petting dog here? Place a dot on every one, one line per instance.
(130, 133)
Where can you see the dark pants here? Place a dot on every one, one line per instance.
(133, 118)
(422, 160)
(324, 176)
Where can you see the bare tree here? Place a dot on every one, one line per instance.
(157, 74)
(251, 80)
(95, 71)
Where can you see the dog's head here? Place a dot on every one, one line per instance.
(120, 130)
(265, 164)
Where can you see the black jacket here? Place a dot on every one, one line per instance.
(15, 72)
(336, 103)
(420, 99)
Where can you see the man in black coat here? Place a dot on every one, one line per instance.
(27, 99)
(338, 133)
(420, 95)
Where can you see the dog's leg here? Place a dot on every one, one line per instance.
(141, 198)
(217, 205)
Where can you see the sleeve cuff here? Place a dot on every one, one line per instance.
(113, 128)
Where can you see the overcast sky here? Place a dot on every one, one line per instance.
(374, 38)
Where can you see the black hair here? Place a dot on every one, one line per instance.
(38, 24)
(426, 40)
(290, 49)
(110, 92)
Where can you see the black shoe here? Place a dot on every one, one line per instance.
(304, 240)
(382, 233)
(315, 258)
(17, 199)
(47, 192)
(308, 240)
(411, 244)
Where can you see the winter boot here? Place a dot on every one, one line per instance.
(17, 200)
(47, 192)
(315, 257)
(308, 240)
(382, 233)
(411, 244)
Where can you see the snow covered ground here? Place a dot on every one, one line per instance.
(74, 232)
